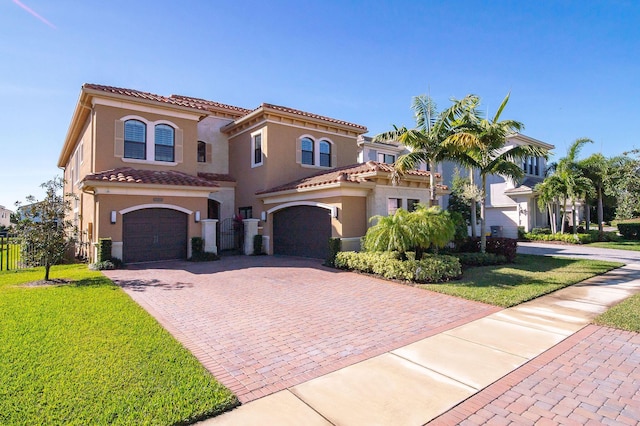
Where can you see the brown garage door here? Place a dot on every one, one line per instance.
(154, 234)
(302, 231)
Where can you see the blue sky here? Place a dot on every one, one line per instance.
(572, 67)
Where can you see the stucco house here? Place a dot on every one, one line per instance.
(151, 172)
(510, 203)
(5, 217)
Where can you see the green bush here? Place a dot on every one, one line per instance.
(105, 265)
(197, 251)
(104, 249)
(335, 245)
(431, 268)
(480, 259)
(630, 230)
(506, 247)
(541, 231)
(565, 238)
(521, 232)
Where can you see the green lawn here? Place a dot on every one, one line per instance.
(625, 315)
(85, 353)
(529, 277)
(620, 245)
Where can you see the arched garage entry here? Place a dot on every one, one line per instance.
(154, 234)
(302, 231)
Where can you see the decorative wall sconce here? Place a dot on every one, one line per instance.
(113, 216)
(263, 216)
(197, 217)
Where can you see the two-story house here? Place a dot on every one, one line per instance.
(151, 172)
(5, 217)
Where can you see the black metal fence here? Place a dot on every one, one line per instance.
(11, 253)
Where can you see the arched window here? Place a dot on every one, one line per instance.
(306, 146)
(325, 154)
(202, 152)
(135, 139)
(164, 143)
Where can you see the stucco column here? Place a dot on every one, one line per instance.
(250, 230)
(209, 235)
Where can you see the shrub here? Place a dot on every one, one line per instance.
(565, 238)
(335, 245)
(257, 244)
(630, 230)
(104, 249)
(541, 231)
(104, 265)
(506, 247)
(197, 251)
(431, 268)
(521, 232)
(480, 259)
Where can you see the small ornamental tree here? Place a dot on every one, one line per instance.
(43, 229)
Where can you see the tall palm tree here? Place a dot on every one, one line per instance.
(425, 140)
(576, 184)
(481, 144)
(596, 168)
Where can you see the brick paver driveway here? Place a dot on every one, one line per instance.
(263, 324)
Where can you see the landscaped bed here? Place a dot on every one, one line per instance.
(528, 277)
(85, 353)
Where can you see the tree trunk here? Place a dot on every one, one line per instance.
(552, 217)
(564, 215)
(587, 216)
(574, 216)
(47, 267)
(474, 212)
(432, 182)
(483, 236)
(600, 214)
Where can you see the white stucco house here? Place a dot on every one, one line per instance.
(5, 216)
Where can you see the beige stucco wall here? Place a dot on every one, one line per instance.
(209, 132)
(105, 118)
(279, 161)
(381, 193)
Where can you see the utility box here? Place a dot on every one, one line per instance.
(496, 231)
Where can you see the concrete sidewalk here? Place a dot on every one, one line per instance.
(418, 382)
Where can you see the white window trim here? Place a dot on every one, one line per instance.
(316, 152)
(151, 141)
(253, 148)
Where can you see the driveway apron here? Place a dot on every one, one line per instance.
(262, 324)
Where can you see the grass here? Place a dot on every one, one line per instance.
(625, 315)
(633, 245)
(529, 277)
(85, 353)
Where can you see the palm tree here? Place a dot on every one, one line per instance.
(576, 184)
(425, 140)
(391, 233)
(549, 192)
(433, 227)
(480, 144)
(596, 168)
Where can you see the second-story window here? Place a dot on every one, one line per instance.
(164, 143)
(256, 142)
(306, 145)
(325, 154)
(386, 158)
(135, 139)
(202, 152)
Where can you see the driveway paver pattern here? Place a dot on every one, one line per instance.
(262, 324)
(593, 377)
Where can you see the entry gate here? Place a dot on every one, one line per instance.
(231, 236)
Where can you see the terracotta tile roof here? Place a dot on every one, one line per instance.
(207, 103)
(355, 173)
(216, 177)
(155, 177)
(145, 95)
(310, 115)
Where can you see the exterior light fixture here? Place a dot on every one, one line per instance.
(113, 216)
(197, 217)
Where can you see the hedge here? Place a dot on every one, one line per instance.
(630, 230)
(581, 238)
(431, 268)
(506, 247)
(480, 259)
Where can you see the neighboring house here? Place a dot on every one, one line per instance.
(5, 217)
(511, 204)
(151, 172)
